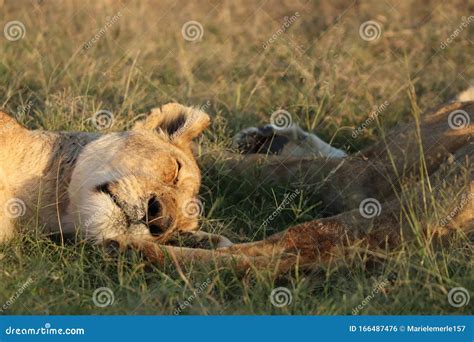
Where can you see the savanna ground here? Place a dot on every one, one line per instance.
(319, 69)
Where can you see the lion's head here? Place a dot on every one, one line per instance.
(141, 183)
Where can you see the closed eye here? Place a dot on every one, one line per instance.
(105, 189)
(178, 168)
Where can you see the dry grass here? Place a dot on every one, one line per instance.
(320, 70)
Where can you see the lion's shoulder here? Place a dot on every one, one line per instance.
(8, 124)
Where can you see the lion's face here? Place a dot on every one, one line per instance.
(142, 183)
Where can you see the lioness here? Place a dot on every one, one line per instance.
(136, 184)
(137, 187)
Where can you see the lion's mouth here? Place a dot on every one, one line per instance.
(158, 225)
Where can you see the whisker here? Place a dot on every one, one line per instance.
(156, 218)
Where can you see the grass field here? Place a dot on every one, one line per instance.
(74, 58)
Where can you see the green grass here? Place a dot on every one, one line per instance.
(142, 61)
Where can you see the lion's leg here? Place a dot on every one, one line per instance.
(161, 254)
(199, 239)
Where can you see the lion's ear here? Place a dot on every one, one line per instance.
(181, 124)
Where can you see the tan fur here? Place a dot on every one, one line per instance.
(102, 185)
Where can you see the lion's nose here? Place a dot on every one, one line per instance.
(157, 221)
(154, 208)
